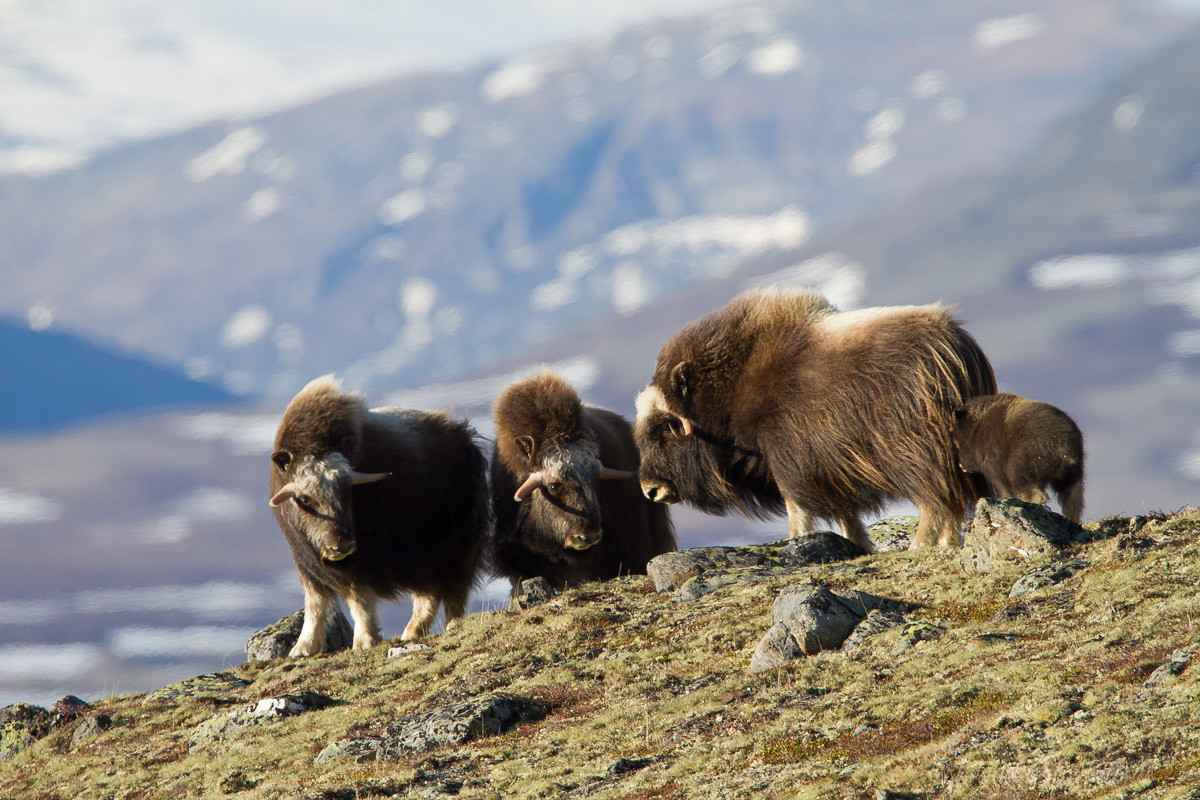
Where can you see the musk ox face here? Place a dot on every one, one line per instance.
(677, 463)
(316, 500)
(561, 495)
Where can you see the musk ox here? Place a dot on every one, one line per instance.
(779, 402)
(377, 502)
(1020, 447)
(564, 491)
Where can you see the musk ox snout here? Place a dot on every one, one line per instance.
(660, 491)
(583, 540)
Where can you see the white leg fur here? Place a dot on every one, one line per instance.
(800, 521)
(934, 526)
(424, 610)
(317, 606)
(852, 529)
(366, 620)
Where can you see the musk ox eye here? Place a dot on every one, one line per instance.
(554, 487)
(305, 504)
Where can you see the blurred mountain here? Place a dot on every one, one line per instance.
(52, 379)
(432, 227)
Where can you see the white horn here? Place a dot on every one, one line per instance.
(534, 480)
(608, 473)
(687, 428)
(282, 496)
(357, 478)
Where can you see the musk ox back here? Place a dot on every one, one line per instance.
(373, 503)
(564, 490)
(1021, 446)
(779, 402)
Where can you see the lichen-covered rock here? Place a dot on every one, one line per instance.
(260, 712)
(879, 620)
(213, 687)
(695, 588)
(531, 592)
(277, 639)
(893, 534)
(809, 618)
(670, 571)
(914, 632)
(90, 728)
(449, 725)
(1047, 575)
(1012, 529)
(1169, 672)
(21, 724)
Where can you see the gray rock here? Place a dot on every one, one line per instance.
(214, 687)
(670, 571)
(532, 592)
(21, 724)
(405, 649)
(450, 725)
(893, 534)
(914, 632)
(1169, 672)
(878, 621)
(695, 588)
(277, 639)
(1012, 529)
(260, 712)
(809, 618)
(90, 728)
(1048, 575)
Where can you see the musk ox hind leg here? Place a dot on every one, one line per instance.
(937, 525)
(1033, 494)
(366, 619)
(455, 605)
(852, 529)
(424, 610)
(800, 521)
(317, 605)
(1070, 497)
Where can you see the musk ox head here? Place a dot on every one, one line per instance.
(560, 493)
(316, 500)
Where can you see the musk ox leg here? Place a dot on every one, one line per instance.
(1033, 494)
(1071, 499)
(937, 526)
(424, 610)
(800, 521)
(852, 529)
(366, 619)
(455, 606)
(317, 605)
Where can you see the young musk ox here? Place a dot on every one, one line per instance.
(377, 502)
(1021, 446)
(780, 402)
(566, 503)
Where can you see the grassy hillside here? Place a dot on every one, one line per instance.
(629, 693)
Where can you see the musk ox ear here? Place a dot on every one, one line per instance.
(680, 377)
(281, 458)
(527, 446)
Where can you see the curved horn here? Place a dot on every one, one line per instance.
(357, 478)
(534, 480)
(282, 496)
(608, 473)
(687, 429)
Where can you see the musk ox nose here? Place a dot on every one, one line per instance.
(659, 493)
(338, 551)
(583, 541)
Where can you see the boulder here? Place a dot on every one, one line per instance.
(893, 534)
(531, 592)
(1047, 575)
(277, 639)
(1169, 672)
(670, 571)
(879, 620)
(449, 725)
(22, 724)
(1012, 529)
(212, 687)
(261, 712)
(90, 728)
(809, 618)
(914, 632)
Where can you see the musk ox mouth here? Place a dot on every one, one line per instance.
(337, 554)
(660, 493)
(582, 541)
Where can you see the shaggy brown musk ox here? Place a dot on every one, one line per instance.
(1021, 446)
(377, 502)
(780, 402)
(564, 492)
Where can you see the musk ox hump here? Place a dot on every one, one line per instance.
(533, 417)
(320, 419)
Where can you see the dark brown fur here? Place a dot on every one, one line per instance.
(528, 538)
(830, 414)
(1021, 446)
(422, 530)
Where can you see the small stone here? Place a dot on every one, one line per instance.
(1048, 575)
(405, 649)
(698, 587)
(914, 632)
(90, 728)
(624, 766)
(878, 621)
(235, 782)
(893, 534)
(213, 687)
(775, 649)
(260, 712)
(277, 639)
(1012, 529)
(530, 593)
(1169, 672)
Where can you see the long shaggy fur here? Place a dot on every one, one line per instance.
(835, 412)
(1021, 446)
(528, 536)
(421, 530)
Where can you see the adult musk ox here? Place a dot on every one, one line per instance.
(1021, 446)
(780, 402)
(564, 491)
(374, 503)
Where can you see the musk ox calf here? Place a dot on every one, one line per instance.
(780, 402)
(373, 503)
(566, 503)
(1020, 447)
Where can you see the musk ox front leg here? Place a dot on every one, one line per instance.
(424, 610)
(317, 605)
(800, 521)
(362, 605)
(937, 526)
(852, 529)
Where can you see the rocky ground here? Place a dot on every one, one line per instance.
(1042, 660)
